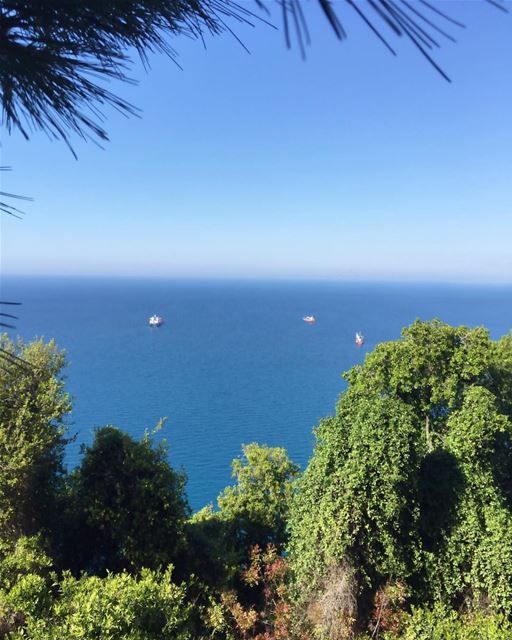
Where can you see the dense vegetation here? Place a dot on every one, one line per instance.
(399, 527)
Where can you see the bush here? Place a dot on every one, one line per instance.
(444, 624)
(117, 607)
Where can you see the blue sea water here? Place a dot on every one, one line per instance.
(234, 362)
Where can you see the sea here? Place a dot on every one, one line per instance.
(234, 362)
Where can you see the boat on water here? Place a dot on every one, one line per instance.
(156, 321)
(309, 319)
(359, 339)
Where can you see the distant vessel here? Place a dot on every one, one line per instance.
(359, 339)
(309, 319)
(156, 321)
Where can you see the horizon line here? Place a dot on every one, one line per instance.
(256, 278)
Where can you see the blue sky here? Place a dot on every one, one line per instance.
(352, 165)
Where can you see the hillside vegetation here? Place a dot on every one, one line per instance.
(400, 527)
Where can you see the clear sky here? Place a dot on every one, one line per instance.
(353, 164)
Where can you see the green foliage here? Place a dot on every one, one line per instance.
(117, 607)
(211, 551)
(445, 624)
(23, 557)
(254, 511)
(24, 579)
(476, 558)
(258, 503)
(500, 382)
(411, 479)
(356, 499)
(30, 597)
(126, 506)
(32, 409)
(429, 369)
(407, 500)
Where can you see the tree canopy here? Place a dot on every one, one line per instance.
(253, 512)
(258, 503)
(410, 480)
(33, 406)
(126, 506)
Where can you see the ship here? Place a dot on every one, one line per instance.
(309, 319)
(156, 321)
(359, 339)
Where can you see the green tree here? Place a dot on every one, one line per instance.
(354, 521)
(127, 506)
(254, 511)
(258, 504)
(33, 405)
(500, 382)
(475, 561)
(429, 370)
(409, 479)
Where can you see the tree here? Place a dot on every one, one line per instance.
(257, 505)
(501, 374)
(126, 506)
(407, 481)
(254, 511)
(475, 560)
(33, 405)
(354, 520)
(237, 551)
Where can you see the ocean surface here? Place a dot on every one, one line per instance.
(234, 362)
